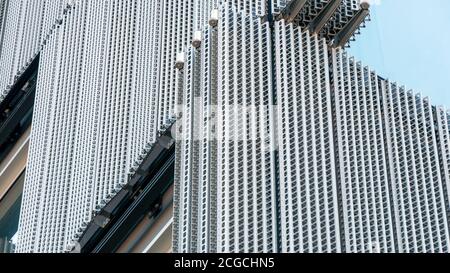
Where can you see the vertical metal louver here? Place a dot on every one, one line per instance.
(226, 161)
(345, 162)
(308, 193)
(26, 27)
(362, 161)
(92, 119)
(417, 182)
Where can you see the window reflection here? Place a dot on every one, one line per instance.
(9, 216)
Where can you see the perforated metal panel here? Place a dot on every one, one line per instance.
(92, 119)
(283, 143)
(308, 190)
(27, 25)
(226, 160)
(362, 160)
(357, 157)
(417, 183)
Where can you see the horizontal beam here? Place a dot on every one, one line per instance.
(111, 226)
(143, 203)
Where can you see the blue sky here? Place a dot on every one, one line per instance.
(408, 41)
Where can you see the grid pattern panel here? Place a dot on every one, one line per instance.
(240, 157)
(91, 119)
(27, 25)
(417, 188)
(363, 164)
(246, 171)
(443, 127)
(3, 7)
(363, 170)
(308, 194)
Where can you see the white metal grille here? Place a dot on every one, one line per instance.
(27, 25)
(243, 193)
(91, 118)
(360, 164)
(308, 195)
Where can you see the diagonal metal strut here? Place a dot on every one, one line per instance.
(350, 28)
(324, 16)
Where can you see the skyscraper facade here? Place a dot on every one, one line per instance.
(91, 118)
(24, 27)
(284, 143)
(305, 149)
